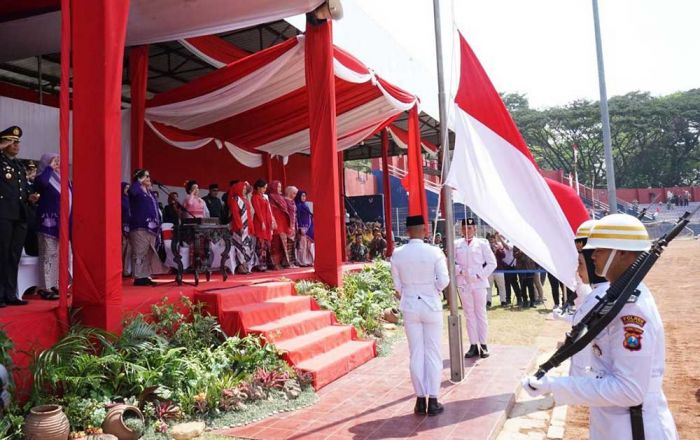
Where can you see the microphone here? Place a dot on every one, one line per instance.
(155, 182)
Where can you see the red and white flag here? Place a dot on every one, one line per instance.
(494, 173)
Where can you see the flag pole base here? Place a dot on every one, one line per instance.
(454, 328)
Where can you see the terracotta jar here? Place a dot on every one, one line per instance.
(114, 422)
(46, 422)
(391, 315)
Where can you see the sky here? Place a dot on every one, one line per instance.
(546, 48)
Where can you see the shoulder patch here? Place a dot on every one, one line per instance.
(633, 338)
(633, 319)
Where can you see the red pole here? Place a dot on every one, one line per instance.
(341, 184)
(387, 194)
(138, 79)
(267, 163)
(320, 86)
(64, 122)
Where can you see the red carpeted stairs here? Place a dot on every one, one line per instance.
(311, 339)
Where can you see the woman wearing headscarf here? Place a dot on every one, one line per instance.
(193, 204)
(126, 218)
(243, 242)
(263, 224)
(144, 230)
(305, 231)
(289, 194)
(280, 212)
(48, 185)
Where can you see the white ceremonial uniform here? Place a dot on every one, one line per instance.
(580, 363)
(474, 263)
(420, 274)
(627, 368)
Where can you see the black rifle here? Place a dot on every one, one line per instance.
(610, 304)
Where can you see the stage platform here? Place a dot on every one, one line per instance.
(35, 327)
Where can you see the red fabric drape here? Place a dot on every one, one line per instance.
(387, 194)
(138, 78)
(218, 48)
(64, 127)
(99, 28)
(267, 164)
(320, 83)
(417, 201)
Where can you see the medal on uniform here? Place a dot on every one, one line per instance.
(8, 176)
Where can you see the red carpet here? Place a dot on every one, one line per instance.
(310, 338)
(262, 303)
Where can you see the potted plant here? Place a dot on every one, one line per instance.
(125, 422)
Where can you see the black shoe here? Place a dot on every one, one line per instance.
(520, 303)
(484, 351)
(488, 304)
(434, 408)
(144, 282)
(473, 352)
(420, 407)
(17, 302)
(2, 304)
(532, 304)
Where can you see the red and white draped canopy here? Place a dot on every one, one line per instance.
(258, 103)
(400, 137)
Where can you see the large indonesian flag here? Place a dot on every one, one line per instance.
(496, 176)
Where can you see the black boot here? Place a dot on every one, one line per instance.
(420, 407)
(434, 408)
(484, 351)
(473, 352)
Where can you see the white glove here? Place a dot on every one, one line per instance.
(537, 387)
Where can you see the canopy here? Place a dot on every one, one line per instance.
(400, 137)
(259, 104)
(150, 21)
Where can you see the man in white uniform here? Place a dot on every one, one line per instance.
(420, 274)
(627, 365)
(474, 262)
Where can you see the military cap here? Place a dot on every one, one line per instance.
(414, 220)
(12, 133)
(468, 222)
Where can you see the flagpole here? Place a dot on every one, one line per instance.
(607, 141)
(454, 321)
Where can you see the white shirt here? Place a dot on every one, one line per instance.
(627, 367)
(420, 273)
(474, 262)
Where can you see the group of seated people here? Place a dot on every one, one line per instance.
(366, 241)
(271, 226)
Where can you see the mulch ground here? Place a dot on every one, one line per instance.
(675, 283)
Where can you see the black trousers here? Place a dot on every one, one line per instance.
(556, 286)
(512, 283)
(12, 235)
(527, 287)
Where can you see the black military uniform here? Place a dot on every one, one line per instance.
(214, 204)
(13, 218)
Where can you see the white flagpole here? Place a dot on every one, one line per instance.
(454, 321)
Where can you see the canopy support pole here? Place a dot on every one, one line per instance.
(386, 179)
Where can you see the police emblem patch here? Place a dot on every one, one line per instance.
(633, 319)
(633, 338)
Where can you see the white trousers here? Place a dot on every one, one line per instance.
(474, 305)
(424, 333)
(500, 280)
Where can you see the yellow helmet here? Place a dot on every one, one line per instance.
(619, 231)
(584, 230)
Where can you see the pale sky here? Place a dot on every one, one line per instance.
(546, 48)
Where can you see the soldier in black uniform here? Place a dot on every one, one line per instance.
(14, 196)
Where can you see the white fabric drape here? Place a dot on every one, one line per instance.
(251, 160)
(154, 21)
(281, 76)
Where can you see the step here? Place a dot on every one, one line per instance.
(329, 366)
(252, 314)
(293, 325)
(312, 344)
(237, 296)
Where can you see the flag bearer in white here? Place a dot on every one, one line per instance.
(474, 262)
(420, 274)
(628, 356)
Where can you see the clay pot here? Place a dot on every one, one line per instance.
(46, 422)
(391, 315)
(114, 422)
